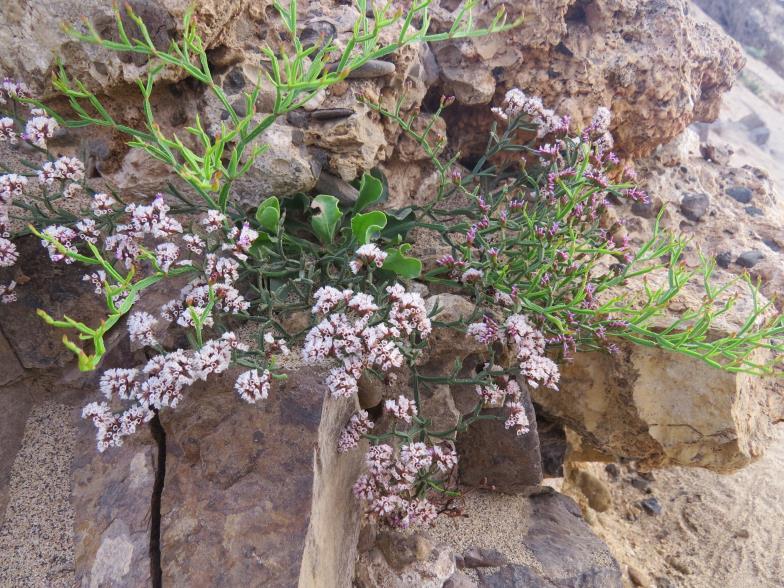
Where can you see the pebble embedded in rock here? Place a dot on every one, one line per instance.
(343, 191)
(331, 113)
(484, 558)
(750, 258)
(679, 565)
(644, 210)
(754, 211)
(612, 470)
(639, 578)
(724, 259)
(740, 193)
(695, 206)
(599, 498)
(641, 485)
(772, 245)
(374, 68)
(651, 506)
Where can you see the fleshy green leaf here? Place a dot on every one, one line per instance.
(370, 190)
(366, 227)
(268, 214)
(400, 223)
(325, 221)
(398, 262)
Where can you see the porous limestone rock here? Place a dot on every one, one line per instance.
(400, 561)
(654, 65)
(257, 494)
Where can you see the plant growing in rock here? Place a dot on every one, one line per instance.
(523, 232)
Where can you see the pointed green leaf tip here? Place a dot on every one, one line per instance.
(398, 262)
(370, 191)
(366, 227)
(268, 214)
(325, 221)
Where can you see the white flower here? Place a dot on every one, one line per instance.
(140, 328)
(517, 418)
(119, 382)
(102, 204)
(362, 303)
(341, 383)
(213, 221)
(7, 130)
(11, 185)
(243, 239)
(402, 409)
(96, 279)
(7, 294)
(62, 235)
(368, 255)
(87, 230)
(252, 387)
(327, 298)
(194, 243)
(65, 168)
(8, 253)
(471, 276)
(166, 254)
(272, 346)
(39, 129)
(358, 425)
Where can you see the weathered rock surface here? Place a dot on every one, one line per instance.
(491, 455)
(112, 498)
(662, 408)
(652, 63)
(566, 550)
(758, 24)
(258, 495)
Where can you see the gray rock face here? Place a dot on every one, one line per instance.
(258, 495)
(570, 555)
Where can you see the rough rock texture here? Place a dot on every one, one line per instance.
(662, 408)
(111, 498)
(758, 24)
(657, 67)
(542, 536)
(495, 456)
(257, 495)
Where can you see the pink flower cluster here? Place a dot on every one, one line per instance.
(352, 333)
(161, 382)
(393, 482)
(517, 103)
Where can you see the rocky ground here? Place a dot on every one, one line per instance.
(257, 496)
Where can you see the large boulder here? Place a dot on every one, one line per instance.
(654, 65)
(258, 495)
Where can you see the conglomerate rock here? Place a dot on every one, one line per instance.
(655, 66)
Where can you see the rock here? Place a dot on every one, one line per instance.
(639, 578)
(10, 369)
(374, 68)
(331, 113)
(439, 406)
(343, 191)
(259, 489)
(678, 565)
(17, 403)
(59, 290)
(657, 66)
(724, 259)
(695, 206)
(718, 154)
(495, 456)
(552, 445)
(484, 558)
(663, 408)
(750, 258)
(567, 551)
(760, 135)
(651, 506)
(758, 24)
(112, 493)
(613, 471)
(284, 168)
(445, 345)
(754, 211)
(641, 484)
(593, 489)
(740, 193)
(459, 580)
(373, 571)
(402, 550)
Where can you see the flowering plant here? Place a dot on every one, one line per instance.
(523, 232)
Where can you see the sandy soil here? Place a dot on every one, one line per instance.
(713, 530)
